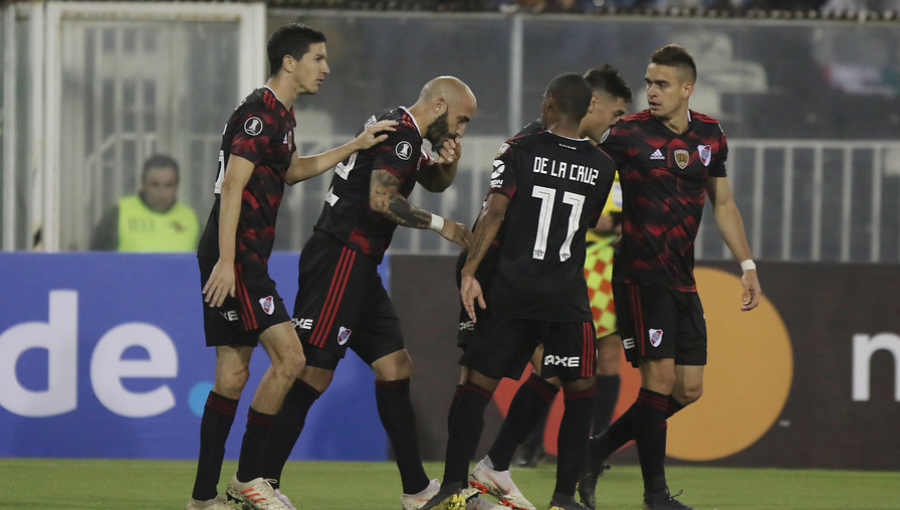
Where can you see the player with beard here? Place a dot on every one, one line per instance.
(341, 301)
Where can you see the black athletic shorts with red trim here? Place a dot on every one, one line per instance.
(658, 323)
(504, 345)
(342, 303)
(255, 307)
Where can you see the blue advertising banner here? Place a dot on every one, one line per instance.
(104, 356)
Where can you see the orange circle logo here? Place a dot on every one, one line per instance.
(747, 378)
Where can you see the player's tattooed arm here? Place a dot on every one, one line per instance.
(439, 173)
(385, 198)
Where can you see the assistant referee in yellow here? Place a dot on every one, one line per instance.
(151, 220)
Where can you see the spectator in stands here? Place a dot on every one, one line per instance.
(151, 220)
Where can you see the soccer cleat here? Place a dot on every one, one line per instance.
(217, 503)
(500, 485)
(565, 503)
(587, 485)
(257, 494)
(664, 501)
(456, 500)
(478, 503)
(417, 501)
(286, 501)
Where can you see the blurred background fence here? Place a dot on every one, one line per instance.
(90, 89)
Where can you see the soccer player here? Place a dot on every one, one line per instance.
(669, 159)
(611, 97)
(545, 191)
(529, 408)
(341, 301)
(242, 307)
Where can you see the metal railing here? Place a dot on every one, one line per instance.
(801, 200)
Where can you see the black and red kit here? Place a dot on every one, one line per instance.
(663, 177)
(346, 214)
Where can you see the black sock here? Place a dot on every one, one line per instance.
(453, 404)
(573, 436)
(614, 437)
(527, 411)
(465, 430)
(399, 421)
(253, 447)
(605, 400)
(218, 415)
(673, 407)
(650, 437)
(287, 429)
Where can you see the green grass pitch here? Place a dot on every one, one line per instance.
(66, 484)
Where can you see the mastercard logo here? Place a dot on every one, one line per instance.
(747, 378)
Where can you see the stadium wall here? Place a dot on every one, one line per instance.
(809, 379)
(104, 357)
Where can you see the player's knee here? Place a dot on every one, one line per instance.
(689, 395)
(230, 383)
(607, 363)
(292, 363)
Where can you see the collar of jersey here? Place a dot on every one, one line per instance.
(413, 119)
(566, 137)
(274, 94)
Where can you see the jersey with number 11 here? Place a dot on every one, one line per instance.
(557, 187)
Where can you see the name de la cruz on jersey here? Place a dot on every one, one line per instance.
(565, 170)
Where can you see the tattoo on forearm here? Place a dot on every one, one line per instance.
(388, 201)
(477, 247)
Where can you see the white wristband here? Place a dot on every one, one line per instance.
(437, 223)
(746, 265)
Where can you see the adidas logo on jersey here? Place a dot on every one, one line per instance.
(657, 155)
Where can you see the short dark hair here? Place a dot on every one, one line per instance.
(294, 40)
(606, 78)
(572, 94)
(160, 161)
(673, 55)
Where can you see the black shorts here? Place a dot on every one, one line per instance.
(342, 303)
(467, 330)
(504, 345)
(468, 333)
(255, 307)
(659, 323)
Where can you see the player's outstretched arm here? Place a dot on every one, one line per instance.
(306, 167)
(489, 221)
(221, 281)
(731, 226)
(385, 198)
(439, 173)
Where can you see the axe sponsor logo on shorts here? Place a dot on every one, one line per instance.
(628, 343)
(230, 315)
(302, 323)
(562, 361)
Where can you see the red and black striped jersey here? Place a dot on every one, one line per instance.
(663, 177)
(557, 187)
(261, 130)
(346, 214)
